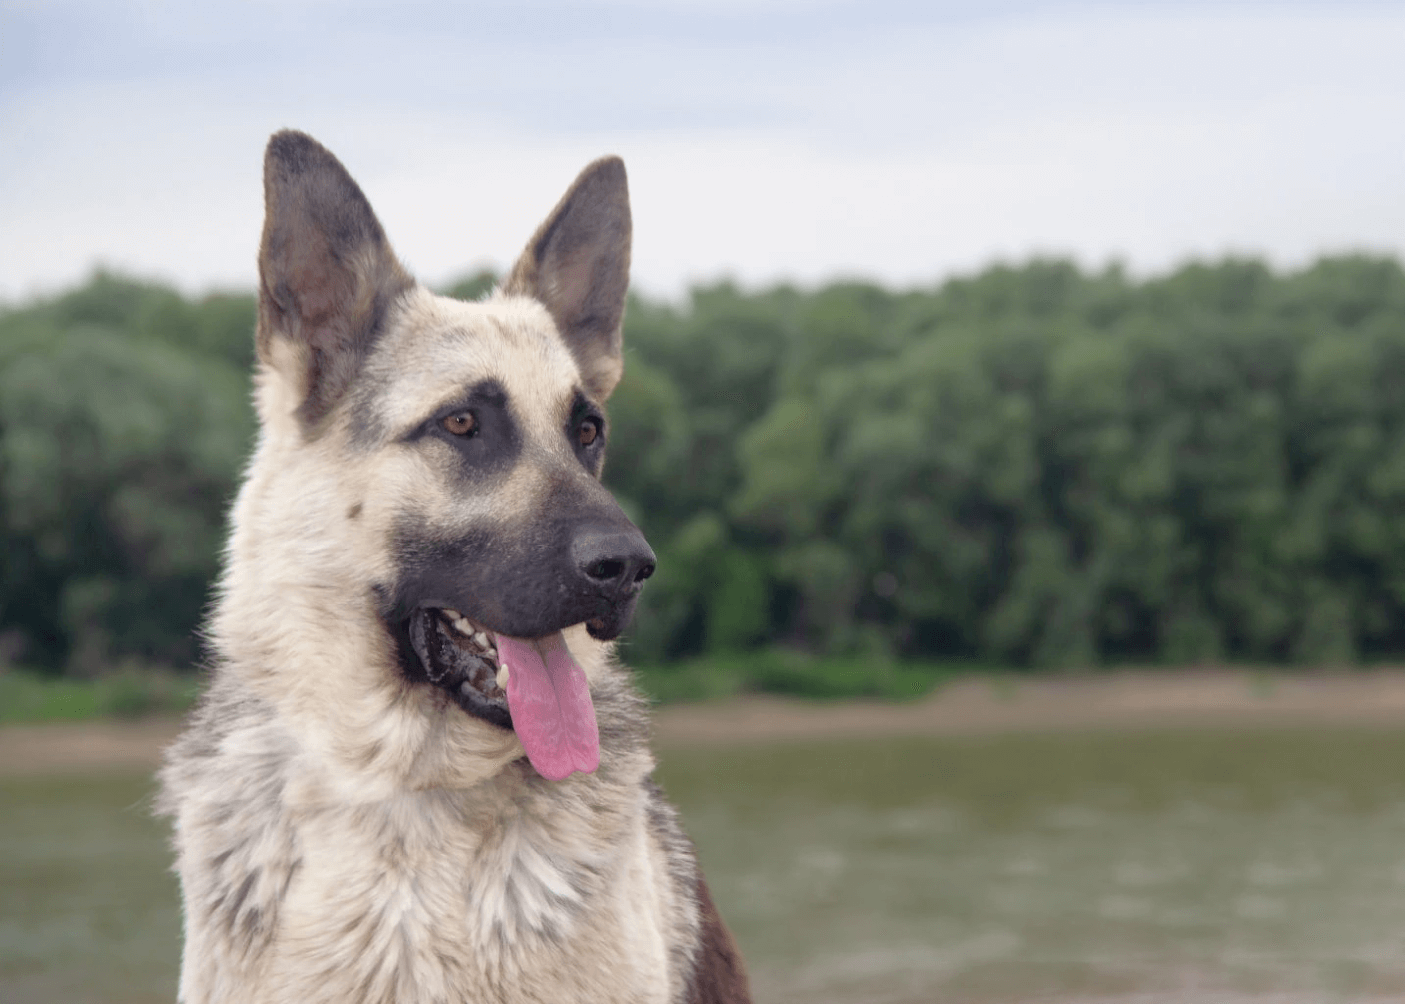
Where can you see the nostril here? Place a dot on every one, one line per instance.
(610, 561)
(606, 570)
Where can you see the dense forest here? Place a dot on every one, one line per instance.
(1032, 466)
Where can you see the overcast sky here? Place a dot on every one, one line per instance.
(764, 141)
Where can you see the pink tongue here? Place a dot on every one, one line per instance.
(549, 698)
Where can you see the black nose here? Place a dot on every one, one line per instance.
(615, 561)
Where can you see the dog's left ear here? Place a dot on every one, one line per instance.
(327, 273)
(577, 265)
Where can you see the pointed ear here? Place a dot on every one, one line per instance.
(327, 274)
(577, 265)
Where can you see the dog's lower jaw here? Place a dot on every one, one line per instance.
(459, 657)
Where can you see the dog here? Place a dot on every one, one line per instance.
(418, 773)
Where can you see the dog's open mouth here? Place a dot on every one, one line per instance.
(531, 685)
(462, 658)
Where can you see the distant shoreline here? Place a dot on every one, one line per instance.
(969, 706)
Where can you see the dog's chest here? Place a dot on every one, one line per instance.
(419, 902)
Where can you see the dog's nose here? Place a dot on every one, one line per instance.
(615, 561)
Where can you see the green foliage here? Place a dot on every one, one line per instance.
(124, 417)
(473, 287)
(128, 692)
(788, 671)
(1031, 466)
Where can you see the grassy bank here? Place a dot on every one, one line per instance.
(132, 692)
(794, 674)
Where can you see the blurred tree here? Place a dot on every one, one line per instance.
(1032, 465)
(119, 449)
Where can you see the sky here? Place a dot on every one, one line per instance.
(765, 141)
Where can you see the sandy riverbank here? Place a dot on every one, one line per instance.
(976, 705)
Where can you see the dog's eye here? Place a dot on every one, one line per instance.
(590, 431)
(460, 423)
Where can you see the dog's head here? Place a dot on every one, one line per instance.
(447, 455)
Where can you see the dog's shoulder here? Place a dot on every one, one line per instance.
(719, 976)
(232, 735)
(706, 949)
(223, 785)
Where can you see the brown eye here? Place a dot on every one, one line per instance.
(460, 423)
(590, 431)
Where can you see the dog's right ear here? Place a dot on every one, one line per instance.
(577, 266)
(327, 274)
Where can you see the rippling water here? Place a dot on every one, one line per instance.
(1176, 866)
(1195, 866)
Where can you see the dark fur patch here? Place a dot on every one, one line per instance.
(495, 446)
(583, 410)
(720, 976)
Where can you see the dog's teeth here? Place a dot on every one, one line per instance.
(453, 615)
(463, 627)
(481, 640)
(502, 676)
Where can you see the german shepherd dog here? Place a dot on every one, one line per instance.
(418, 774)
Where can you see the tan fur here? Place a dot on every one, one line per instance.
(342, 833)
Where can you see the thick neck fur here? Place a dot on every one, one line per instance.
(510, 889)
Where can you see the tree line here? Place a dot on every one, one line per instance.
(1033, 466)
